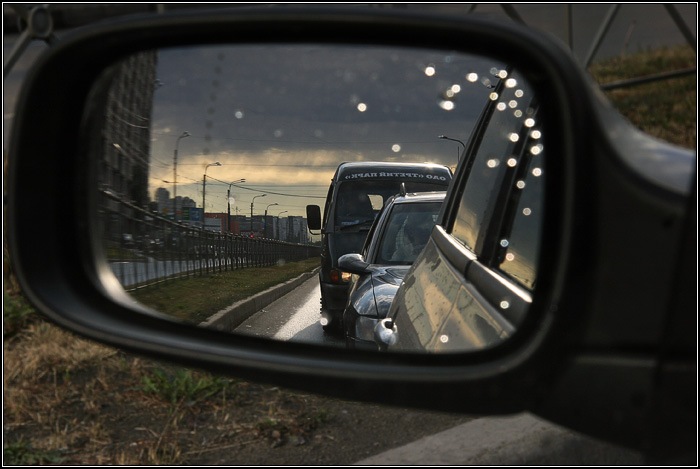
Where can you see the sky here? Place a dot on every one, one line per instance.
(284, 117)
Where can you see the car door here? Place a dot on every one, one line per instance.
(473, 284)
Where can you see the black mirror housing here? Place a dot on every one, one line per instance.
(313, 217)
(353, 263)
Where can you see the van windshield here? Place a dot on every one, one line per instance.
(359, 202)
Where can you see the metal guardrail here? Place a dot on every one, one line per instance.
(144, 248)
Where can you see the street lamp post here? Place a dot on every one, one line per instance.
(454, 140)
(251, 211)
(265, 218)
(228, 199)
(277, 235)
(204, 190)
(177, 143)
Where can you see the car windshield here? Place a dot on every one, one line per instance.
(407, 232)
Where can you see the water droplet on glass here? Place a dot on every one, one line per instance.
(447, 105)
(444, 339)
(472, 77)
(536, 149)
(511, 83)
(362, 107)
(504, 304)
(396, 148)
(430, 70)
(501, 106)
(504, 243)
(492, 163)
(512, 162)
(513, 137)
(527, 212)
(520, 184)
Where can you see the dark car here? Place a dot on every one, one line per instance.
(494, 224)
(393, 243)
(356, 194)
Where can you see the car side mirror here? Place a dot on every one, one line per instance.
(353, 263)
(313, 217)
(605, 334)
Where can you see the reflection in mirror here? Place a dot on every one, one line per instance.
(210, 155)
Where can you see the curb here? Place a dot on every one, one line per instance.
(232, 316)
(522, 439)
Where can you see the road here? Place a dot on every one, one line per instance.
(293, 317)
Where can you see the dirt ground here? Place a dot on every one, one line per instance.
(351, 432)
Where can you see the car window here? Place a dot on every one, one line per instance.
(353, 204)
(497, 148)
(519, 242)
(407, 232)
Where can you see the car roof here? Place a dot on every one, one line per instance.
(412, 197)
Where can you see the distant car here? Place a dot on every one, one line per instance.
(394, 241)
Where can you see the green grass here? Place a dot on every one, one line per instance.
(195, 299)
(17, 314)
(183, 385)
(21, 453)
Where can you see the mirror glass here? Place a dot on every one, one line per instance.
(207, 157)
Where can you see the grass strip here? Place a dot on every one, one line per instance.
(196, 298)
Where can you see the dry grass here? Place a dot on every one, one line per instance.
(666, 109)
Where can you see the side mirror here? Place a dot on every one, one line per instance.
(603, 340)
(313, 217)
(353, 263)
